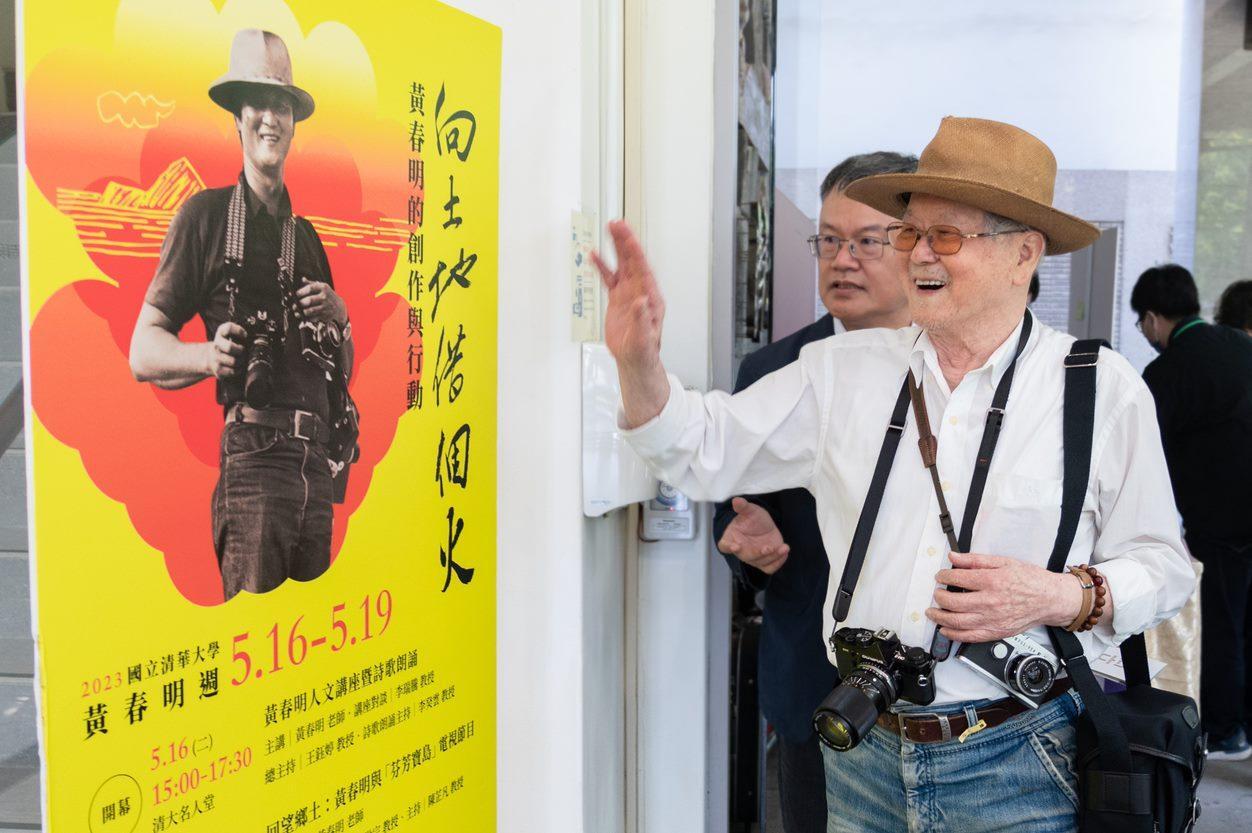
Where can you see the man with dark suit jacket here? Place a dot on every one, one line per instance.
(772, 542)
(1202, 384)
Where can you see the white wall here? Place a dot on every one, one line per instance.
(670, 114)
(540, 555)
(1099, 82)
(796, 302)
(564, 582)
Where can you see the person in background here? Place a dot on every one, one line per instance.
(1202, 383)
(1234, 309)
(772, 541)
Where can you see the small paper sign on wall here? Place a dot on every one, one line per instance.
(585, 305)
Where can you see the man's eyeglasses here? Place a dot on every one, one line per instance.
(827, 246)
(943, 240)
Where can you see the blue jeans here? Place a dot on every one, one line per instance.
(1019, 776)
(272, 509)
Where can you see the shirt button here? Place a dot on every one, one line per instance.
(931, 550)
(953, 420)
(947, 485)
(915, 616)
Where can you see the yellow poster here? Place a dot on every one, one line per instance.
(261, 302)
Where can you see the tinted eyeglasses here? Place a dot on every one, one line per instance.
(943, 240)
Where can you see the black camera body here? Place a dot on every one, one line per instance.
(911, 669)
(262, 349)
(876, 670)
(1019, 664)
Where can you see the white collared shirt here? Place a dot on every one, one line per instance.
(819, 423)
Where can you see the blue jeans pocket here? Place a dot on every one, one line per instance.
(1056, 746)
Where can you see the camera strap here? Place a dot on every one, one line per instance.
(1077, 430)
(928, 444)
(236, 230)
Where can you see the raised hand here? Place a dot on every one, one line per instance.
(632, 326)
(635, 311)
(753, 538)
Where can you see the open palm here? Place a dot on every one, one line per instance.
(754, 538)
(635, 309)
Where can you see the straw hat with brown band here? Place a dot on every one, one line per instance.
(989, 165)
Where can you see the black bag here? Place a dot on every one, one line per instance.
(1140, 751)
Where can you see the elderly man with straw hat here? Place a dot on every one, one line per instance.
(930, 729)
(278, 342)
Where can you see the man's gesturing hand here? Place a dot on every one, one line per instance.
(632, 326)
(1006, 597)
(632, 320)
(225, 350)
(753, 538)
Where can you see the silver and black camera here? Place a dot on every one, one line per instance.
(1018, 663)
(320, 342)
(875, 670)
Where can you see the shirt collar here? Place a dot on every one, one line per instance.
(923, 354)
(255, 205)
(1182, 326)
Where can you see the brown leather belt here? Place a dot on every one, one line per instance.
(303, 425)
(929, 727)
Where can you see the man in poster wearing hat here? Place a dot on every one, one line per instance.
(975, 220)
(278, 345)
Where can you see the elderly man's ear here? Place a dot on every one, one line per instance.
(1029, 253)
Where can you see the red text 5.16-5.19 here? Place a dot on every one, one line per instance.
(290, 646)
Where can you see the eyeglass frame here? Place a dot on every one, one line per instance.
(849, 242)
(962, 236)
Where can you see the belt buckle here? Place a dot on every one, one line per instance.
(945, 724)
(296, 430)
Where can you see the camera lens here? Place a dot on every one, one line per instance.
(259, 385)
(834, 730)
(848, 713)
(331, 339)
(1032, 675)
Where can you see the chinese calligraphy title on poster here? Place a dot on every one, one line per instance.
(260, 290)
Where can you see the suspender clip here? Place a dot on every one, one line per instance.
(1082, 359)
